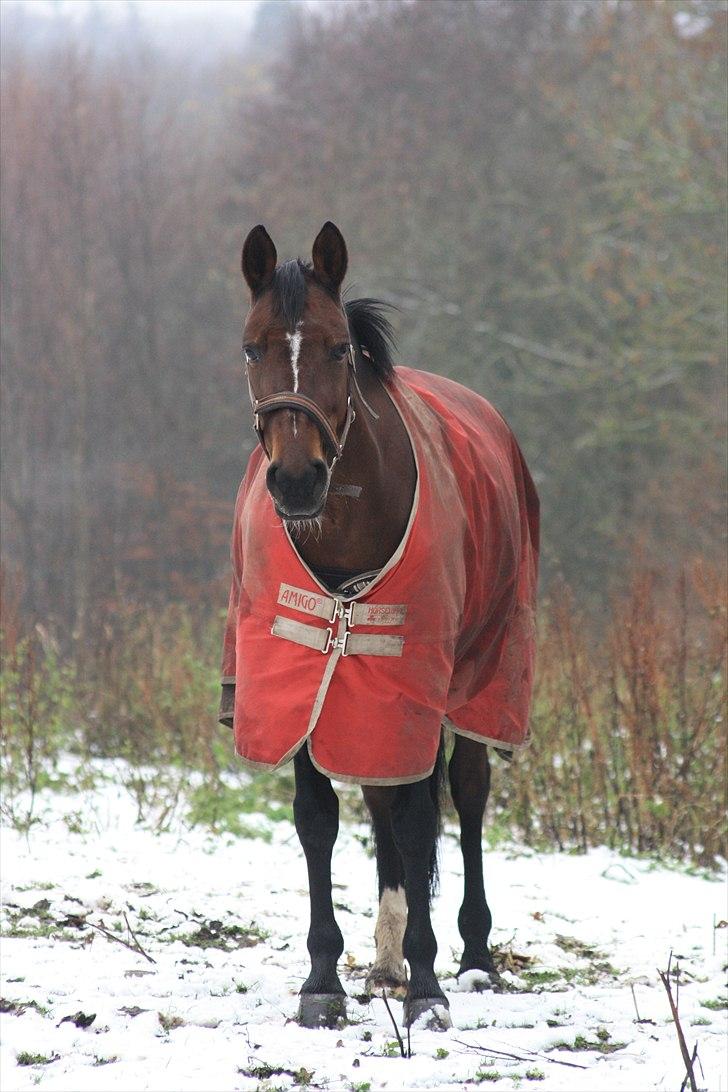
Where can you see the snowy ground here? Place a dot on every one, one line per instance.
(577, 933)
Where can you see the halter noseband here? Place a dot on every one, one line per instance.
(294, 401)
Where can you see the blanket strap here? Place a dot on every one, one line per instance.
(323, 640)
(356, 614)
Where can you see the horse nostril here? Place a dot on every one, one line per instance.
(270, 476)
(321, 471)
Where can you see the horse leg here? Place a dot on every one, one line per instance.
(316, 813)
(415, 830)
(469, 772)
(388, 968)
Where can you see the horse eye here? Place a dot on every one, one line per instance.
(339, 351)
(252, 354)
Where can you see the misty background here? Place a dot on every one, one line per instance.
(539, 188)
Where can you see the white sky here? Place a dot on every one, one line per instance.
(153, 10)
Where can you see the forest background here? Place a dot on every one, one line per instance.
(538, 187)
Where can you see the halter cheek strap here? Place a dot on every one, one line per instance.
(295, 401)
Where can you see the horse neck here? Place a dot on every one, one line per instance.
(364, 532)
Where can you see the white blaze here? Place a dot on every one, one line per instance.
(294, 340)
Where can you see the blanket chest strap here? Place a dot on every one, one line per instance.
(323, 640)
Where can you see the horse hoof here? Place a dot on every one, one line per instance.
(434, 1012)
(321, 1010)
(386, 976)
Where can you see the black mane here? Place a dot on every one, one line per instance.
(370, 328)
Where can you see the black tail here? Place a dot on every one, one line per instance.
(437, 782)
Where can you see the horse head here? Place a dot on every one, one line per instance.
(300, 364)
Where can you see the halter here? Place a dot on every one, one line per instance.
(293, 400)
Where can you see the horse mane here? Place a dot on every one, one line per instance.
(370, 328)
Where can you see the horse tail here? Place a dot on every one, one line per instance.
(437, 785)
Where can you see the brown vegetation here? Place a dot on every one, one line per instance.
(628, 733)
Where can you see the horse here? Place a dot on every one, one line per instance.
(372, 482)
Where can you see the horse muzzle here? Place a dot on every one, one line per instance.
(300, 495)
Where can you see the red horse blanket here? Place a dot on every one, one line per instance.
(445, 634)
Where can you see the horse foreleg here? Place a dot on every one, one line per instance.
(414, 826)
(388, 968)
(316, 814)
(469, 772)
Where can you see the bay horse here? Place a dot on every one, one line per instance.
(370, 483)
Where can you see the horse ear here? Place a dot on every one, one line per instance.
(329, 256)
(259, 260)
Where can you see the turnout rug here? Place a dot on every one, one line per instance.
(444, 634)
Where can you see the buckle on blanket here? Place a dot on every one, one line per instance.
(336, 642)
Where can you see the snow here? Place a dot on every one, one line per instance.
(573, 916)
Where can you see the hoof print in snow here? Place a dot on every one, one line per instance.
(322, 1010)
(431, 1013)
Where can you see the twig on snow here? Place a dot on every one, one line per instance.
(394, 1025)
(135, 938)
(687, 1075)
(640, 1020)
(529, 1056)
(136, 947)
(690, 1074)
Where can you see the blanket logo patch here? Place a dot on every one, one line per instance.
(299, 599)
(384, 614)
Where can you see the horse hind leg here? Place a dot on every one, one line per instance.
(469, 773)
(415, 822)
(388, 967)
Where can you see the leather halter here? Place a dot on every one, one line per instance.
(295, 401)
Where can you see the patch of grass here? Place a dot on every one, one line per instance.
(700, 1022)
(716, 1004)
(577, 947)
(18, 925)
(213, 934)
(219, 807)
(540, 978)
(441, 1053)
(75, 823)
(602, 1043)
(26, 1057)
(390, 1049)
(486, 1075)
(590, 975)
(169, 1022)
(535, 1075)
(361, 1086)
(17, 1008)
(301, 1077)
(99, 1060)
